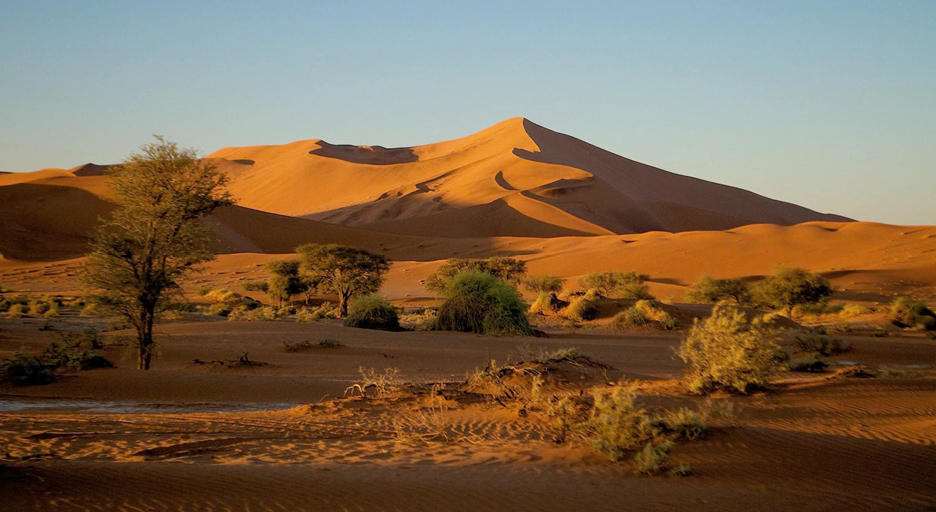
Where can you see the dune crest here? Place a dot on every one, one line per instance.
(515, 178)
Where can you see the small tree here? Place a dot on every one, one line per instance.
(544, 284)
(284, 281)
(617, 285)
(725, 350)
(344, 271)
(710, 291)
(154, 237)
(787, 287)
(509, 270)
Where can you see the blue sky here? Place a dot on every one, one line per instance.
(831, 105)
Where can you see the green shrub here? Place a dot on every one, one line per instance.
(481, 303)
(913, 314)
(582, 307)
(372, 312)
(617, 285)
(23, 369)
(325, 310)
(710, 291)
(725, 350)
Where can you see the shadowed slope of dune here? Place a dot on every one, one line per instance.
(555, 185)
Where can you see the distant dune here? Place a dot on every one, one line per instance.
(515, 178)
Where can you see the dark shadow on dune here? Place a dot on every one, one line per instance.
(367, 155)
(244, 161)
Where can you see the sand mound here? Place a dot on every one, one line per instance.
(514, 178)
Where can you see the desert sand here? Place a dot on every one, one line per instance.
(190, 435)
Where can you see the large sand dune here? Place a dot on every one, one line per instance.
(515, 178)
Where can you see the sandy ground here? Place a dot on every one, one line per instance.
(185, 436)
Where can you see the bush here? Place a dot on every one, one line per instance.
(850, 310)
(644, 314)
(582, 307)
(787, 288)
(912, 314)
(25, 370)
(616, 425)
(617, 285)
(306, 345)
(685, 424)
(372, 312)
(544, 284)
(725, 350)
(17, 310)
(651, 460)
(481, 303)
(710, 291)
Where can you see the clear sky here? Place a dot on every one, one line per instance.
(827, 104)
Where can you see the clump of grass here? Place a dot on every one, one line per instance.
(851, 310)
(912, 314)
(644, 314)
(309, 315)
(685, 424)
(681, 469)
(420, 318)
(547, 304)
(582, 307)
(23, 369)
(372, 312)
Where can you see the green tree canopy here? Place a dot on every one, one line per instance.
(509, 270)
(284, 281)
(709, 291)
(788, 287)
(154, 237)
(617, 285)
(544, 284)
(343, 271)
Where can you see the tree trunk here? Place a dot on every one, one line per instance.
(145, 339)
(343, 303)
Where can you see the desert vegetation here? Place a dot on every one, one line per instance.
(912, 314)
(617, 285)
(507, 270)
(154, 237)
(372, 312)
(726, 350)
(343, 271)
(479, 302)
(710, 291)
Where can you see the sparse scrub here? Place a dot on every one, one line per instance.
(651, 460)
(481, 303)
(307, 345)
(725, 350)
(616, 425)
(852, 310)
(245, 314)
(420, 319)
(892, 373)
(617, 285)
(547, 304)
(23, 369)
(912, 314)
(710, 291)
(324, 310)
(383, 383)
(685, 424)
(811, 363)
(823, 345)
(372, 312)
(347, 272)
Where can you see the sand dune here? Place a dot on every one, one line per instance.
(514, 178)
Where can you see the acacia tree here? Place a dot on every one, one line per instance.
(284, 281)
(617, 285)
(787, 288)
(154, 237)
(344, 271)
